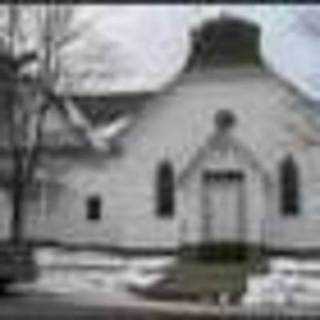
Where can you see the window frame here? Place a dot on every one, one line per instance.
(165, 190)
(289, 185)
(93, 208)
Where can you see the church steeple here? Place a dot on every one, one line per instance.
(224, 41)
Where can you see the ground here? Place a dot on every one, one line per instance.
(205, 278)
(106, 307)
(73, 291)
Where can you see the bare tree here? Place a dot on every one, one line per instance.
(28, 99)
(31, 95)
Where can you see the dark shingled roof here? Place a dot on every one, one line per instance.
(104, 109)
(98, 110)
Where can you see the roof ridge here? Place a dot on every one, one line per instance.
(225, 73)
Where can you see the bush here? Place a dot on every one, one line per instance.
(222, 252)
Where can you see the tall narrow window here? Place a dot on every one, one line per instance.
(165, 189)
(289, 186)
(94, 208)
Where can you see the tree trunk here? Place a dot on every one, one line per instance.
(17, 190)
(17, 214)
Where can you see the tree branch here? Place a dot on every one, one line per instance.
(32, 156)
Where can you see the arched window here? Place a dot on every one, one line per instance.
(165, 193)
(94, 208)
(289, 186)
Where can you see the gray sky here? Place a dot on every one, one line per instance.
(151, 43)
(143, 47)
(148, 45)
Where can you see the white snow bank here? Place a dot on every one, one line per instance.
(289, 281)
(140, 280)
(292, 265)
(68, 281)
(63, 271)
(57, 257)
(151, 264)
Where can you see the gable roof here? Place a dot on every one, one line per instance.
(79, 119)
(101, 110)
(177, 125)
(180, 122)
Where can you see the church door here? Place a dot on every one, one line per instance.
(223, 206)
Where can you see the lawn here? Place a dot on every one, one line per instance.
(207, 272)
(222, 269)
(206, 278)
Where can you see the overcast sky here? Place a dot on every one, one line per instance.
(148, 45)
(143, 47)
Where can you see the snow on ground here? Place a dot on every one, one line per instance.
(63, 271)
(66, 272)
(290, 281)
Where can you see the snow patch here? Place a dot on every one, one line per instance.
(62, 271)
(290, 281)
